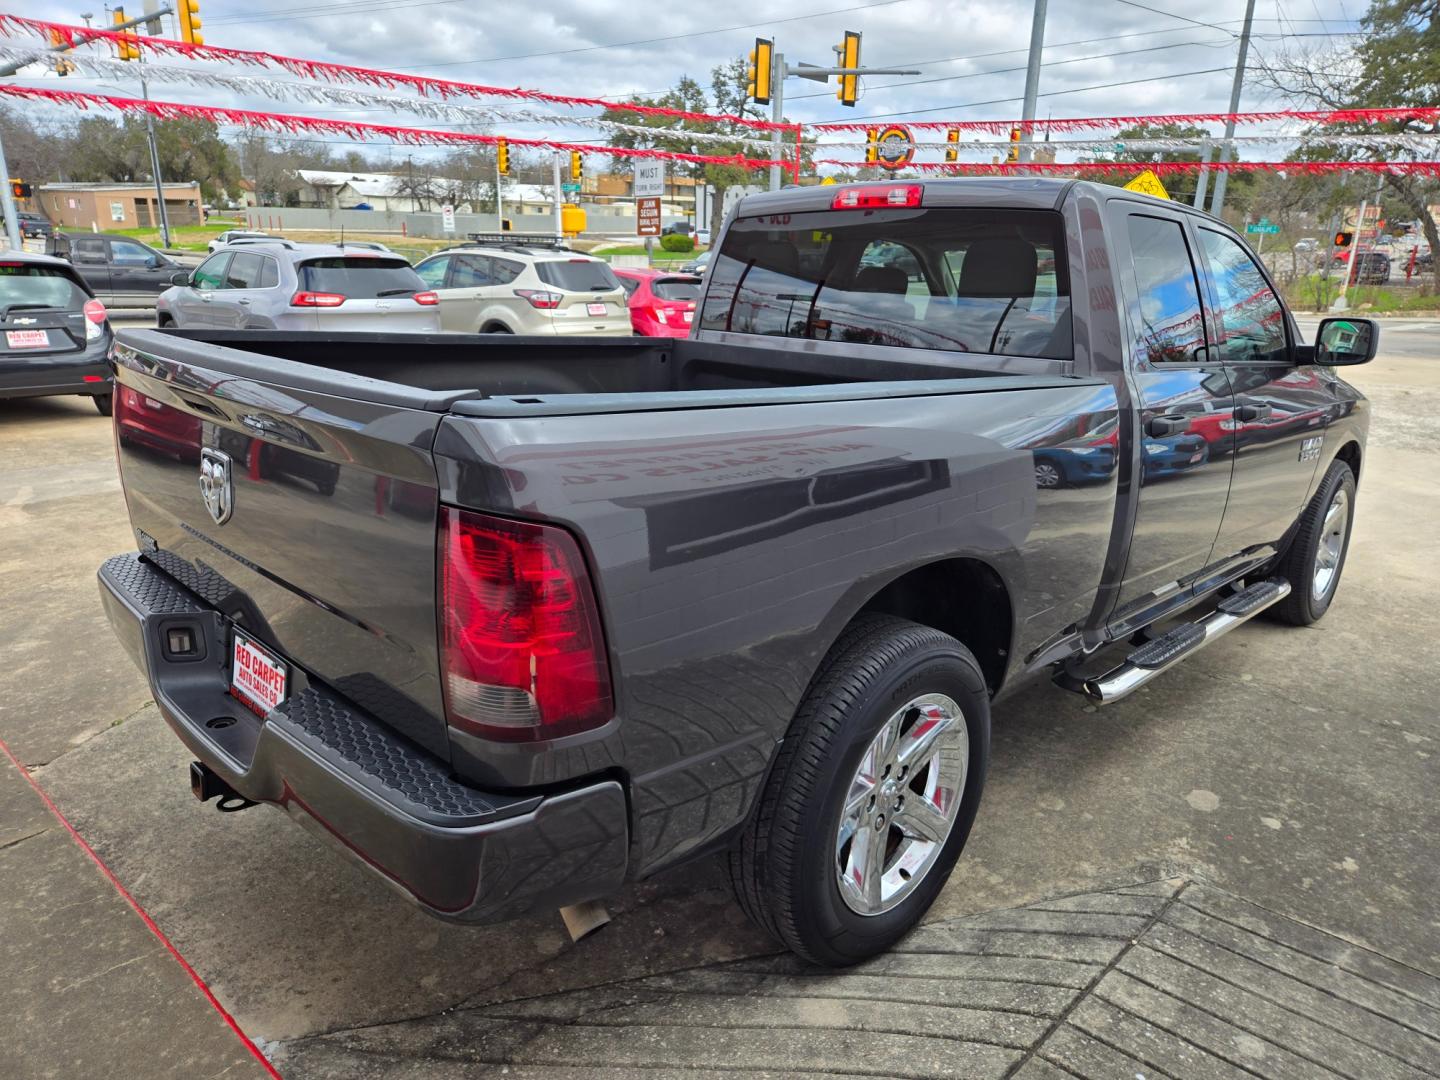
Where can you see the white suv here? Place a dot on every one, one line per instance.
(519, 288)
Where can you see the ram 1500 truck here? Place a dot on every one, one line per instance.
(514, 621)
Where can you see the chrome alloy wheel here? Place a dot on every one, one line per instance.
(901, 804)
(1331, 545)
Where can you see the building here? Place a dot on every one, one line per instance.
(118, 206)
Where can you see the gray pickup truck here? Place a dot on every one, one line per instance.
(515, 620)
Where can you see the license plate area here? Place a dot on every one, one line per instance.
(259, 679)
(595, 309)
(27, 339)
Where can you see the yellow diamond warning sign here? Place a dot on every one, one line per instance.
(1147, 183)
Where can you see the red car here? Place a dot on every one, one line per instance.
(662, 303)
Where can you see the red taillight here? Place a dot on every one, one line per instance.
(427, 299)
(877, 197)
(94, 378)
(521, 645)
(316, 299)
(541, 299)
(94, 311)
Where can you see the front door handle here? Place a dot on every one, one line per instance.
(1253, 412)
(1162, 427)
(243, 300)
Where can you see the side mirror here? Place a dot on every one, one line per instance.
(1345, 342)
(180, 277)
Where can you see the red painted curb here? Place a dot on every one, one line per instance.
(144, 916)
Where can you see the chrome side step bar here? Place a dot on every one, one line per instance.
(1157, 656)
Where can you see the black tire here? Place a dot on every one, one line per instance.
(104, 403)
(497, 328)
(1306, 603)
(782, 866)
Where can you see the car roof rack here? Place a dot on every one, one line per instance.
(510, 242)
(251, 241)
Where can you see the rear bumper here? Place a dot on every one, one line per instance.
(459, 853)
(40, 375)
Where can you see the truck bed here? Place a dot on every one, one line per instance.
(488, 374)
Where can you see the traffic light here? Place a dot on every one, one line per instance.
(20, 189)
(1344, 239)
(125, 48)
(872, 145)
(189, 12)
(62, 65)
(1014, 154)
(758, 74)
(502, 157)
(577, 166)
(952, 152)
(849, 89)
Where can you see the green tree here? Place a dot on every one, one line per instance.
(1397, 63)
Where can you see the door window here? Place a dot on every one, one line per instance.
(88, 249)
(269, 273)
(505, 270)
(1252, 322)
(471, 272)
(244, 271)
(1172, 329)
(129, 253)
(432, 271)
(211, 274)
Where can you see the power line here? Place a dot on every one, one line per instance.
(1172, 15)
(1052, 93)
(1047, 64)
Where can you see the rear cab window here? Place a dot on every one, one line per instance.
(30, 286)
(684, 289)
(362, 278)
(577, 275)
(949, 278)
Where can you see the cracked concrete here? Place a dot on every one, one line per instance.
(1293, 768)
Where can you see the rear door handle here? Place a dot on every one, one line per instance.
(1253, 412)
(243, 300)
(1162, 427)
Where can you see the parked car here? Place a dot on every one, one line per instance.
(677, 228)
(661, 304)
(120, 271)
(1370, 268)
(230, 236)
(279, 285)
(698, 265)
(525, 288)
(752, 591)
(54, 334)
(1306, 244)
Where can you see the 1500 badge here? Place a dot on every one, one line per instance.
(1310, 448)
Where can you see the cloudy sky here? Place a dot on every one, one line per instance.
(1102, 57)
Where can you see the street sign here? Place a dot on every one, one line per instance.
(1147, 183)
(894, 149)
(447, 218)
(649, 179)
(569, 187)
(1263, 227)
(647, 216)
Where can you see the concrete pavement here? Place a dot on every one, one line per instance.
(1295, 768)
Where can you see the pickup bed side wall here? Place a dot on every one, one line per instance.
(731, 546)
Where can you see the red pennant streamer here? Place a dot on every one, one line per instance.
(351, 129)
(1097, 123)
(1162, 168)
(75, 36)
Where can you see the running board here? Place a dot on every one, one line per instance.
(1186, 639)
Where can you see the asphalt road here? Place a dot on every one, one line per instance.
(1295, 768)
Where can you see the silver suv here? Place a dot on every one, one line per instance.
(517, 287)
(280, 285)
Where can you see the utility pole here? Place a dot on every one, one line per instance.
(555, 165)
(155, 164)
(1202, 180)
(1032, 76)
(777, 116)
(1227, 148)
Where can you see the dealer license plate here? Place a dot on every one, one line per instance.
(595, 309)
(257, 676)
(689, 316)
(27, 339)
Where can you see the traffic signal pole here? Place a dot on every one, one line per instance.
(155, 165)
(1227, 148)
(7, 198)
(1032, 76)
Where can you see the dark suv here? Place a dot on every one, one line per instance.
(54, 334)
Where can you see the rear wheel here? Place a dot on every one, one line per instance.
(497, 328)
(103, 403)
(872, 796)
(1316, 556)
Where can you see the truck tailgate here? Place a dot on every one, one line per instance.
(318, 537)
